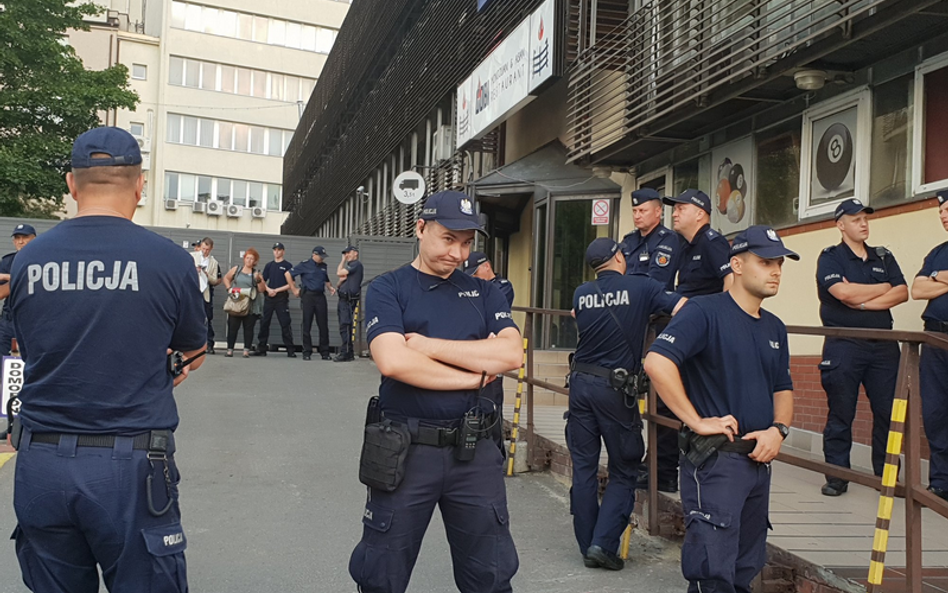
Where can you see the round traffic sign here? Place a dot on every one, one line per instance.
(409, 187)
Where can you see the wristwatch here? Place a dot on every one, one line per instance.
(783, 428)
(934, 275)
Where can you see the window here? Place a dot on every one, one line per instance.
(890, 173)
(136, 128)
(243, 82)
(308, 39)
(209, 76)
(174, 128)
(259, 84)
(239, 197)
(176, 70)
(192, 74)
(244, 26)
(204, 189)
(261, 28)
(778, 174)
(194, 131)
(256, 194)
(225, 135)
(930, 170)
(276, 143)
(258, 140)
(139, 71)
(227, 25)
(294, 34)
(210, 18)
(228, 78)
(324, 40)
(223, 190)
(276, 87)
(171, 186)
(193, 18)
(273, 196)
(178, 14)
(186, 187)
(207, 133)
(277, 34)
(241, 137)
(190, 134)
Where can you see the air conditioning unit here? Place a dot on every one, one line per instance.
(442, 145)
(144, 143)
(214, 208)
(199, 207)
(234, 211)
(171, 204)
(258, 212)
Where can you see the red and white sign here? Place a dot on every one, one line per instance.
(600, 214)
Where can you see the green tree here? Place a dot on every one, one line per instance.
(47, 98)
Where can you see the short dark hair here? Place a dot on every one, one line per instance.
(208, 241)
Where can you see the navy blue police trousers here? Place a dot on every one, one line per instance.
(846, 365)
(78, 507)
(346, 310)
(933, 378)
(473, 502)
(725, 503)
(7, 331)
(314, 307)
(597, 414)
(280, 304)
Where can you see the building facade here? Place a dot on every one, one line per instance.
(222, 86)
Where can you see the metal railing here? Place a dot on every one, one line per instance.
(907, 388)
(670, 58)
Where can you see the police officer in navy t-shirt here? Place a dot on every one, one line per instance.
(703, 264)
(99, 301)
(22, 234)
(931, 284)
(350, 273)
(277, 301)
(314, 282)
(723, 366)
(434, 332)
(857, 285)
(652, 249)
(612, 314)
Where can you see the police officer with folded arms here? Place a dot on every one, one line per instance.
(314, 282)
(22, 234)
(931, 284)
(277, 300)
(612, 314)
(723, 366)
(350, 273)
(96, 480)
(857, 285)
(436, 335)
(651, 249)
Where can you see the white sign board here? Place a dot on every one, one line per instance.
(12, 382)
(502, 84)
(409, 187)
(600, 212)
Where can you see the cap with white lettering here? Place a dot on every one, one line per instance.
(763, 242)
(600, 251)
(23, 229)
(473, 262)
(942, 197)
(453, 210)
(695, 197)
(851, 206)
(646, 194)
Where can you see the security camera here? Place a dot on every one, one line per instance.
(361, 189)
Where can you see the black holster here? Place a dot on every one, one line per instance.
(697, 448)
(384, 451)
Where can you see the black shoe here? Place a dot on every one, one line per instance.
(210, 350)
(327, 357)
(307, 357)
(939, 492)
(834, 487)
(670, 486)
(259, 353)
(290, 354)
(589, 562)
(342, 358)
(605, 559)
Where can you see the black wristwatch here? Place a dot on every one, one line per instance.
(783, 428)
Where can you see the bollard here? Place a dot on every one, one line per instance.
(890, 475)
(626, 537)
(355, 324)
(515, 424)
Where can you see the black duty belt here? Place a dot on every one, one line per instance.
(140, 442)
(591, 369)
(738, 446)
(436, 437)
(936, 326)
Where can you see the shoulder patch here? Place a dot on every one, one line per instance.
(712, 233)
(829, 249)
(662, 259)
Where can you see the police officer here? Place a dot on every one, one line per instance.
(277, 300)
(612, 314)
(857, 285)
(703, 266)
(22, 234)
(96, 480)
(652, 248)
(350, 273)
(723, 366)
(479, 266)
(931, 284)
(434, 332)
(314, 282)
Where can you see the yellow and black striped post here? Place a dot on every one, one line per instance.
(890, 475)
(355, 325)
(624, 547)
(515, 424)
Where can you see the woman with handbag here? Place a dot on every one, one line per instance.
(242, 305)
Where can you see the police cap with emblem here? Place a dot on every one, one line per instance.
(763, 242)
(691, 196)
(120, 146)
(23, 229)
(942, 197)
(350, 248)
(851, 206)
(600, 251)
(646, 194)
(319, 250)
(473, 262)
(453, 210)
(278, 245)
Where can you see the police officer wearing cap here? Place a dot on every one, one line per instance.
(22, 234)
(277, 300)
(479, 266)
(651, 249)
(704, 262)
(857, 285)
(931, 284)
(96, 480)
(314, 282)
(612, 314)
(723, 366)
(350, 273)
(435, 333)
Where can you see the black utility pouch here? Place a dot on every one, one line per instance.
(384, 452)
(697, 448)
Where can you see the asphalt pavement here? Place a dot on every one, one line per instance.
(269, 448)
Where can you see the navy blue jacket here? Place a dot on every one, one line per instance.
(655, 255)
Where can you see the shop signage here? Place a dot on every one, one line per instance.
(12, 384)
(600, 212)
(504, 82)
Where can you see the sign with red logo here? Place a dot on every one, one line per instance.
(600, 213)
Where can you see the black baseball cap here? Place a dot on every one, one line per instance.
(600, 251)
(23, 229)
(278, 245)
(473, 261)
(942, 197)
(453, 210)
(851, 206)
(319, 250)
(691, 196)
(763, 242)
(121, 147)
(350, 248)
(640, 196)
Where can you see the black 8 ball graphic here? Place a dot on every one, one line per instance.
(834, 156)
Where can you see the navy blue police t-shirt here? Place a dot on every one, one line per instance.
(730, 362)
(655, 255)
(505, 287)
(602, 341)
(98, 302)
(352, 285)
(838, 262)
(274, 274)
(313, 277)
(703, 263)
(460, 307)
(936, 261)
(6, 266)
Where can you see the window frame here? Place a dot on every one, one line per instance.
(132, 73)
(918, 122)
